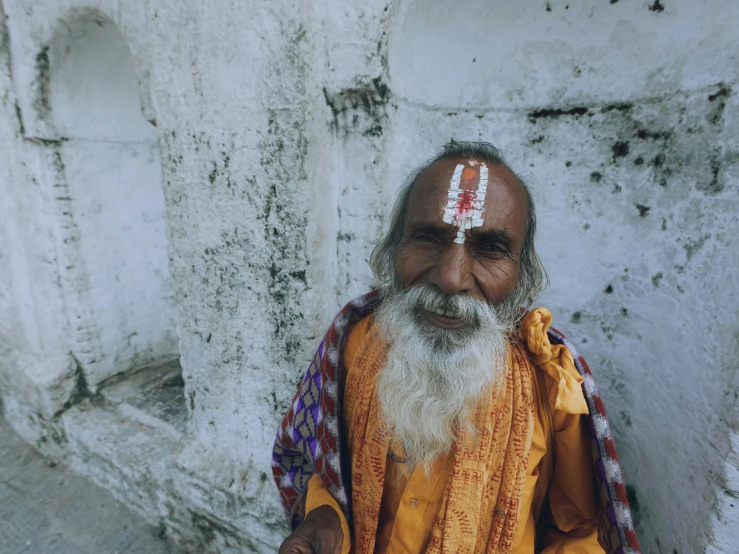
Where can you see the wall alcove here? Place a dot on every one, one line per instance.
(108, 192)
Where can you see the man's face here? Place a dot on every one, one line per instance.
(487, 265)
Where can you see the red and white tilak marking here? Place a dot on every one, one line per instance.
(464, 206)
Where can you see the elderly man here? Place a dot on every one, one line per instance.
(439, 415)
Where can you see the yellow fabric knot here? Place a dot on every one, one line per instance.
(534, 327)
(555, 361)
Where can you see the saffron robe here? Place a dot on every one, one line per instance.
(310, 439)
(409, 508)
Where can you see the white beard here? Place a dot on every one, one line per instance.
(434, 378)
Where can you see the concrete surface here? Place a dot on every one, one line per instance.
(45, 508)
(217, 197)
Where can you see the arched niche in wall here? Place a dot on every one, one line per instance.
(109, 194)
(623, 116)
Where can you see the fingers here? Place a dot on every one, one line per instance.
(296, 543)
(320, 533)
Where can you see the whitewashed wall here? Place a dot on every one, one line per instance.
(284, 128)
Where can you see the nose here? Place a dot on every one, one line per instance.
(453, 272)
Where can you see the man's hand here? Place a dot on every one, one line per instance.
(320, 533)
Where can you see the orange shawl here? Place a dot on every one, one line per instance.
(488, 472)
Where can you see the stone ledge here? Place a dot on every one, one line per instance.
(130, 439)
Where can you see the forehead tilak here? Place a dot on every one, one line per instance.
(464, 206)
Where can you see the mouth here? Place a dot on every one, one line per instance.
(446, 319)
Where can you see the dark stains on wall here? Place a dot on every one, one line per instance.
(691, 247)
(361, 107)
(723, 91)
(279, 405)
(548, 6)
(4, 36)
(255, 256)
(263, 260)
(607, 330)
(554, 113)
(42, 84)
(19, 118)
(213, 173)
(656, 6)
(209, 530)
(645, 134)
(643, 210)
(620, 149)
(51, 143)
(284, 224)
(718, 101)
(618, 107)
(222, 276)
(674, 142)
(715, 184)
(6, 65)
(715, 117)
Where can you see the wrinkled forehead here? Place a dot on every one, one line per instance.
(432, 185)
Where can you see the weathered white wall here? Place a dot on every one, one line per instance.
(284, 128)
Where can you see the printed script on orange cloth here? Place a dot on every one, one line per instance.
(396, 513)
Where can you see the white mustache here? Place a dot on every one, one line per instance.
(460, 306)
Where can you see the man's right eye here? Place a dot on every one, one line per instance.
(425, 237)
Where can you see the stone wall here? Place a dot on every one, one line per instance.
(206, 180)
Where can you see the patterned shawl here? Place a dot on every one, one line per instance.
(310, 437)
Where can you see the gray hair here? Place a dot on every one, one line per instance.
(533, 279)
